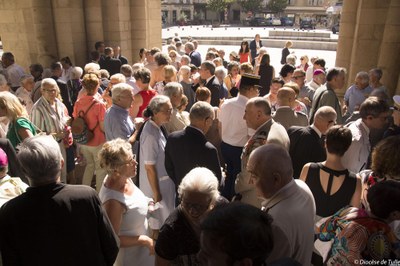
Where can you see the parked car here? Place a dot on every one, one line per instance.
(258, 21)
(307, 24)
(335, 28)
(286, 21)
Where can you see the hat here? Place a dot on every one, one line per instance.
(250, 80)
(319, 71)
(3, 158)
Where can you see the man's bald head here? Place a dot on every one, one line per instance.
(286, 96)
(271, 169)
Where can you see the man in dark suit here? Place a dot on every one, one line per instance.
(307, 143)
(53, 223)
(112, 65)
(255, 46)
(195, 57)
(207, 72)
(189, 148)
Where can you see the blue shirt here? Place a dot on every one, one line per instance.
(355, 97)
(117, 123)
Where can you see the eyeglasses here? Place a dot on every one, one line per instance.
(198, 208)
(297, 77)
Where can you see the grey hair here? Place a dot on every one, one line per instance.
(202, 180)
(201, 111)
(49, 83)
(137, 66)
(173, 89)
(155, 105)
(291, 59)
(263, 50)
(91, 67)
(40, 158)
(121, 78)
(76, 72)
(118, 89)
(126, 70)
(363, 76)
(24, 78)
(260, 103)
(190, 46)
(186, 57)
(221, 70)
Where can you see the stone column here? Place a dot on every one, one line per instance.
(93, 23)
(70, 30)
(389, 49)
(146, 25)
(117, 25)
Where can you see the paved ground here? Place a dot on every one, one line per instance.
(275, 53)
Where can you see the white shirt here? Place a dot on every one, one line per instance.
(309, 74)
(234, 128)
(356, 157)
(26, 96)
(14, 74)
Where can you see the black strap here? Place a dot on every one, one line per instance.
(332, 173)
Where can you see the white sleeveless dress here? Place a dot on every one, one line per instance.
(134, 223)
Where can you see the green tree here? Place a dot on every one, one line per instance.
(277, 5)
(219, 6)
(251, 5)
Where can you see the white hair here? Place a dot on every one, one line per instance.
(291, 59)
(76, 72)
(40, 158)
(91, 67)
(49, 83)
(121, 78)
(173, 89)
(118, 89)
(221, 70)
(200, 111)
(202, 180)
(137, 66)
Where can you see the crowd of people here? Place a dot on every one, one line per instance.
(197, 160)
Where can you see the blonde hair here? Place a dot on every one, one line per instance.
(169, 73)
(12, 105)
(114, 153)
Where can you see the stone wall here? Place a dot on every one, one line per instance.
(43, 31)
(369, 37)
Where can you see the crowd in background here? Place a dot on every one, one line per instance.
(173, 141)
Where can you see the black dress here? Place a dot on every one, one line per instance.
(327, 204)
(265, 72)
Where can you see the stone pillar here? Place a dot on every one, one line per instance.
(69, 24)
(389, 49)
(93, 23)
(146, 25)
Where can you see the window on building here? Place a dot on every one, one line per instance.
(173, 15)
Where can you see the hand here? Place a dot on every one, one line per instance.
(157, 197)
(148, 242)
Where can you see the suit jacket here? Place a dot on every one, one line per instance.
(253, 48)
(112, 65)
(287, 117)
(187, 149)
(56, 224)
(326, 96)
(269, 132)
(305, 146)
(215, 87)
(14, 166)
(195, 58)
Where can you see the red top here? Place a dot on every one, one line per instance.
(244, 57)
(147, 95)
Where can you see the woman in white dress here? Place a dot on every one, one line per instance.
(125, 204)
(153, 177)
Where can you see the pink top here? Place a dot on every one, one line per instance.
(93, 117)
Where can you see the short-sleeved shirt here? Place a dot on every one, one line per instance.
(177, 241)
(355, 97)
(12, 133)
(117, 123)
(95, 115)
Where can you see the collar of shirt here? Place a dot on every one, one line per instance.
(208, 80)
(316, 130)
(4, 179)
(197, 129)
(282, 194)
(365, 127)
(119, 109)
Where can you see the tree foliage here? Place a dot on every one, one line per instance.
(218, 5)
(251, 5)
(277, 5)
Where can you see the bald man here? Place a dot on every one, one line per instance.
(289, 202)
(258, 117)
(285, 115)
